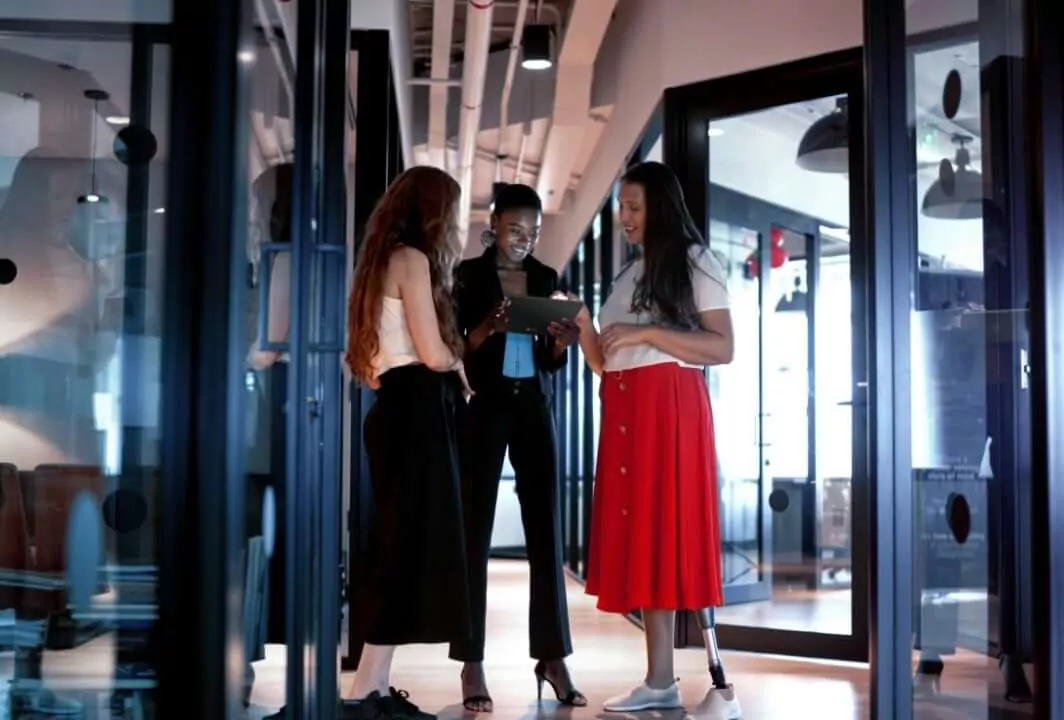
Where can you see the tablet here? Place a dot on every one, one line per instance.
(532, 315)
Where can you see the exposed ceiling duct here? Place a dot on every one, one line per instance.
(442, 28)
(502, 150)
(477, 46)
(572, 97)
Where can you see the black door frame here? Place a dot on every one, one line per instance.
(378, 161)
(688, 110)
(316, 342)
(203, 485)
(1045, 173)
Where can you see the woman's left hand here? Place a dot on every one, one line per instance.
(620, 335)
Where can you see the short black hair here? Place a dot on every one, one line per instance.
(514, 196)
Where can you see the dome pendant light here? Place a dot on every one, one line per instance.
(825, 147)
(957, 194)
(93, 197)
(537, 46)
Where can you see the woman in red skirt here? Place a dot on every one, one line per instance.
(655, 537)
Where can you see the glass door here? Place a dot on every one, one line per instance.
(297, 276)
(771, 177)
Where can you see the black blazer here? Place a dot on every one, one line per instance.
(477, 291)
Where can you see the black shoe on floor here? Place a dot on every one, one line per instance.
(397, 706)
(370, 707)
(367, 709)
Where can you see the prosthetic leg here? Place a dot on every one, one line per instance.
(721, 702)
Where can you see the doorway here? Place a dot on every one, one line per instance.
(775, 176)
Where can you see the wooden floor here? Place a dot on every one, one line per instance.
(608, 659)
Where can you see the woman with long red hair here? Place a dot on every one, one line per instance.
(403, 341)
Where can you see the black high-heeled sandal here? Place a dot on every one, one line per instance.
(477, 703)
(574, 698)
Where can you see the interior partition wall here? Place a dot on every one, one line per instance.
(947, 331)
(965, 341)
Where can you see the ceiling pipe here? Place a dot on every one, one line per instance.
(442, 28)
(572, 97)
(477, 45)
(502, 149)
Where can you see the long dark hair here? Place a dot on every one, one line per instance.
(665, 287)
(417, 211)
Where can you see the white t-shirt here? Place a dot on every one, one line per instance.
(711, 293)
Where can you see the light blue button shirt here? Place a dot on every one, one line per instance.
(519, 360)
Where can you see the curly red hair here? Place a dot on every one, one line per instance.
(418, 210)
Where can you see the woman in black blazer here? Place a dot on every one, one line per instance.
(510, 375)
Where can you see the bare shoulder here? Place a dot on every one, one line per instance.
(407, 262)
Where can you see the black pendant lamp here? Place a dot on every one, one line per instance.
(92, 197)
(537, 47)
(825, 147)
(957, 193)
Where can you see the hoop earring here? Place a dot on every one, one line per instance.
(488, 238)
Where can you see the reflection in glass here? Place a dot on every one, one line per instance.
(970, 452)
(80, 366)
(271, 64)
(785, 405)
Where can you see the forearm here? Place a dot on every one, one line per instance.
(697, 347)
(592, 348)
(477, 337)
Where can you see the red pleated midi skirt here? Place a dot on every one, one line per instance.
(655, 531)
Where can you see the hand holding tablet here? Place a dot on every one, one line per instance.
(535, 315)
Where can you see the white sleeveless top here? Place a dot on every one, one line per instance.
(396, 346)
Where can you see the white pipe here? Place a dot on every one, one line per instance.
(519, 167)
(477, 45)
(502, 150)
(442, 27)
(575, 72)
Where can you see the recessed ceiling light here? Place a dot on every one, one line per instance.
(160, 211)
(117, 120)
(533, 64)
(715, 131)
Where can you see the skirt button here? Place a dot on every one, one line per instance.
(624, 470)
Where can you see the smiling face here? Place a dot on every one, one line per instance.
(517, 232)
(633, 212)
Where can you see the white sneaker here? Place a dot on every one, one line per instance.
(719, 704)
(644, 697)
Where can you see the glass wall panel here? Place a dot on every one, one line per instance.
(271, 150)
(84, 146)
(970, 443)
(779, 215)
